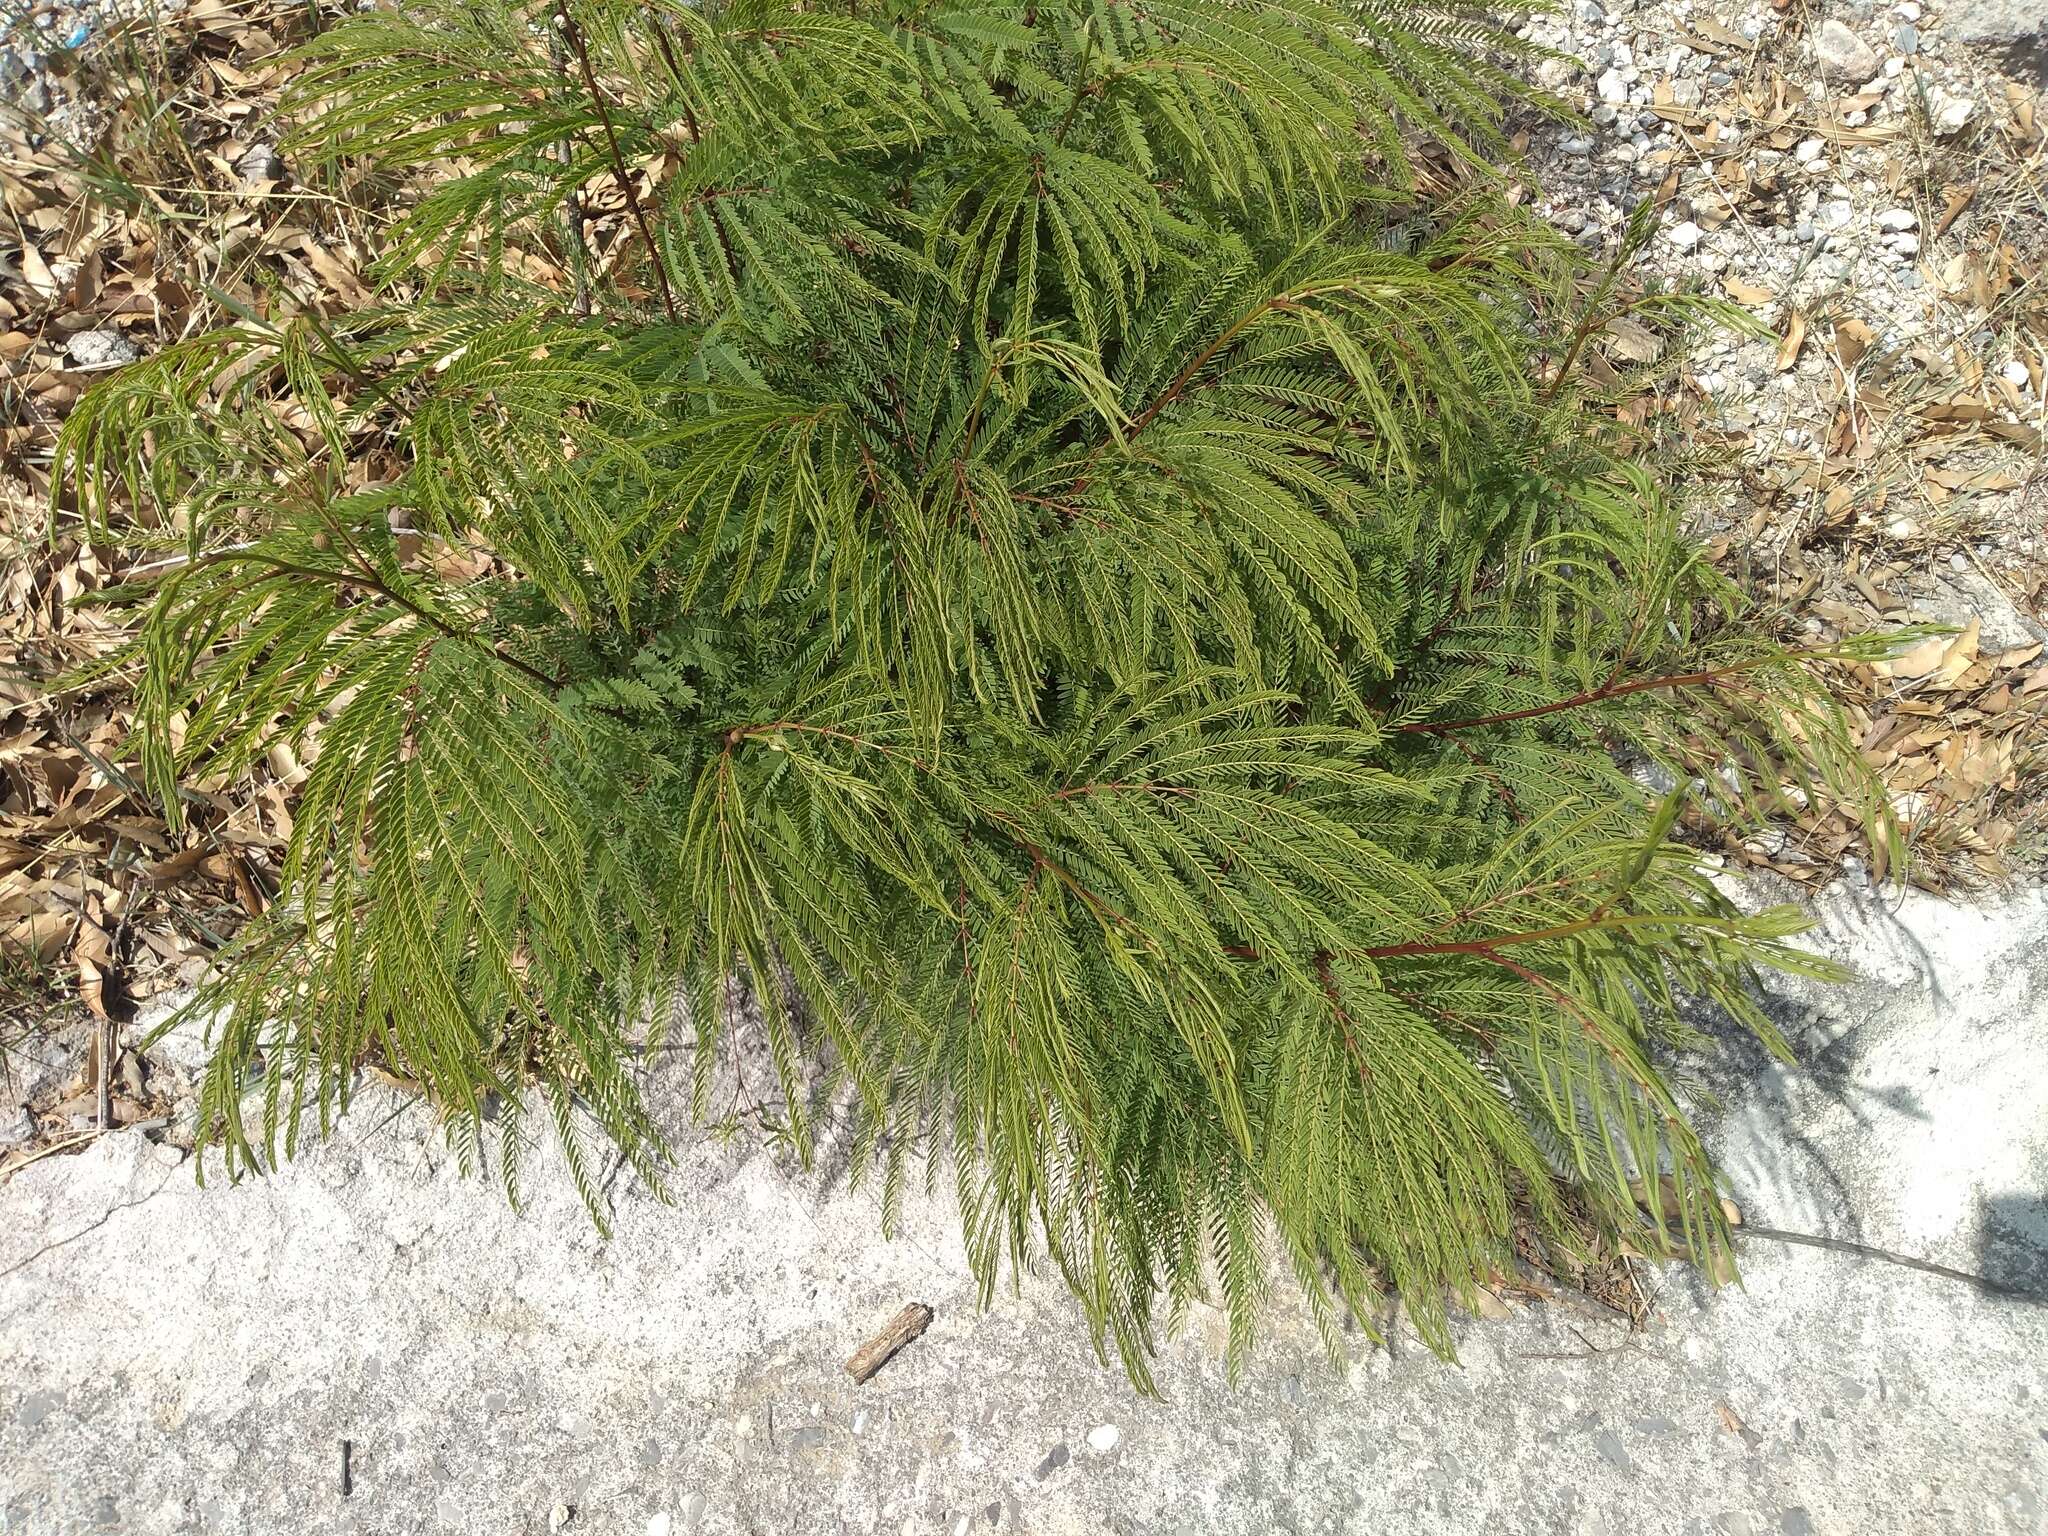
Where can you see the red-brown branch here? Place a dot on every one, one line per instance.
(1486, 947)
(1178, 386)
(1343, 1017)
(1482, 946)
(1555, 993)
(1607, 690)
(1492, 775)
(574, 33)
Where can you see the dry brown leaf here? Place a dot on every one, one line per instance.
(1917, 662)
(178, 866)
(1747, 293)
(253, 897)
(38, 937)
(1958, 655)
(1487, 1303)
(339, 277)
(92, 987)
(1983, 764)
(1959, 198)
(35, 272)
(1793, 339)
(1961, 409)
(216, 18)
(1916, 773)
(1713, 37)
(1972, 480)
(1719, 1267)
(1853, 339)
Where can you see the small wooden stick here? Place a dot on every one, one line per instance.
(103, 1054)
(876, 1353)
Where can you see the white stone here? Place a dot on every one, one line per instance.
(260, 163)
(1807, 151)
(2015, 373)
(1833, 215)
(1905, 245)
(1954, 114)
(1612, 87)
(100, 349)
(1843, 57)
(1104, 1437)
(1685, 236)
(1898, 219)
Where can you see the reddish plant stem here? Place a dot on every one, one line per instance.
(574, 33)
(740, 733)
(1328, 978)
(1535, 888)
(1416, 948)
(1556, 994)
(371, 583)
(1500, 785)
(1607, 690)
(1173, 391)
(1482, 946)
(1200, 360)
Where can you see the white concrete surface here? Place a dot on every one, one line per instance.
(177, 1359)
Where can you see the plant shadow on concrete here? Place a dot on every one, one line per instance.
(1005, 541)
(2014, 1249)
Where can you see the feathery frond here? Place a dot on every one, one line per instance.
(1026, 563)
